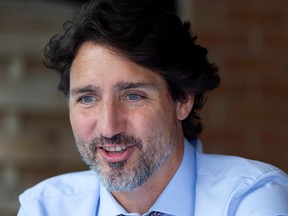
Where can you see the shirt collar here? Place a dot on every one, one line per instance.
(108, 203)
(176, 199)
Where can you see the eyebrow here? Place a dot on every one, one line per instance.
(85, 89)
(130, 85)
(118, 87)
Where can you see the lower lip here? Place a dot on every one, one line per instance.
(116, 157)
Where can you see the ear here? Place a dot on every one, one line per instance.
(184, 107)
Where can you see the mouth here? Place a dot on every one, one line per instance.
(115, 149)
(112, 153)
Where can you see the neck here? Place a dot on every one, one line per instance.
(143, 197)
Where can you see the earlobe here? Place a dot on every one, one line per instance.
(184, 107)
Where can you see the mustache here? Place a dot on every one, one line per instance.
(118, 139)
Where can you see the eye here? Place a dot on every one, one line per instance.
(86, 99)
(134, 97)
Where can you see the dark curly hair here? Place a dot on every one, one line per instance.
(147, 34)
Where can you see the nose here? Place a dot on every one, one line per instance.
(110, 119)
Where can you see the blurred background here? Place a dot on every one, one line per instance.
(246, 116)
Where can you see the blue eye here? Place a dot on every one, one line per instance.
(87, 99)
(134, 97)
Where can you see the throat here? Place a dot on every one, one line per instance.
(138, 200)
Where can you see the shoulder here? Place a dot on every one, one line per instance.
(236, 170)
(233, 166)
(240, 184)
(53, 194)
(65, 184)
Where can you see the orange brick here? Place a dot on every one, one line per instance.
(249, 17)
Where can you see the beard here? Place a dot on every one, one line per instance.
(118, 177)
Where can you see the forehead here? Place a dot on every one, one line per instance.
(96, 64)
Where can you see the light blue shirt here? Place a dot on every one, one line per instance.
(204, 185)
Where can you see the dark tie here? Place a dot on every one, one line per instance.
(155, 213)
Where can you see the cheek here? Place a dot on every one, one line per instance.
(150, 122)
(82, 126)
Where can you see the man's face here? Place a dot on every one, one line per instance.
(125, 124)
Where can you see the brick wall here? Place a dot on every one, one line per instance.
(248, 114)
(35, 137)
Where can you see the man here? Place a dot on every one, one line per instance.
(135, 81)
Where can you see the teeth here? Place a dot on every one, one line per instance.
(115, 149)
